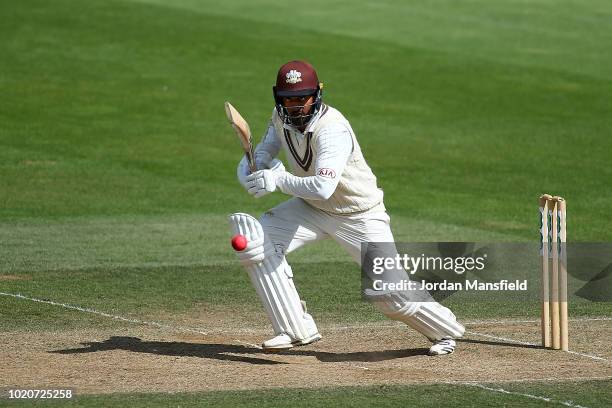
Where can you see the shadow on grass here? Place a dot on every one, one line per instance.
(232, 352)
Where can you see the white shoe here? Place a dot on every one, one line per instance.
(284, 342)
(441, 347)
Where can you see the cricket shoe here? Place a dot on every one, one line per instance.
(285, 342)
(441, 347)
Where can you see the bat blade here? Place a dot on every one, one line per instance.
(241, 127)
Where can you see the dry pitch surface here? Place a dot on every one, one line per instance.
(138, 358)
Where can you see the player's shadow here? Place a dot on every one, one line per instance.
(232, 352)
(499, 343)
(226, 352)
(357, 356)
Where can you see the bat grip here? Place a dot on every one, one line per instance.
(251, 160)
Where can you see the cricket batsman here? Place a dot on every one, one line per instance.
(334, 195)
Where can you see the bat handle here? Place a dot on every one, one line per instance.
(251, 161)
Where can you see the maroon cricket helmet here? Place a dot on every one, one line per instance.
(296, 78)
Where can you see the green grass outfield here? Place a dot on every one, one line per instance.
(117, 166)
(591, 393)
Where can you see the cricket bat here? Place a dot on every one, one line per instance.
(243, 132)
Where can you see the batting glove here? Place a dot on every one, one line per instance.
(263, 182)
(260, 183)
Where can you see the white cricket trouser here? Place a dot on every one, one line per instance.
(294, 223)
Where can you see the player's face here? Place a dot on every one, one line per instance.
(298, 104)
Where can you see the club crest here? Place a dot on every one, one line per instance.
(293, 76)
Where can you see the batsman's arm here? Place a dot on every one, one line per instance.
(267, 149)
(334, 147)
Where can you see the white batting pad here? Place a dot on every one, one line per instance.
(435, 322)
(431, 319)
(272, 279)
(246, 225)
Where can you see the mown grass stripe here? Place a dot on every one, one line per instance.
(537, 397)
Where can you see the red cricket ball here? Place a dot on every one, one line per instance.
(239, 242)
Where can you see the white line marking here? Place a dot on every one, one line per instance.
(532, 380)
(592, 319)
(363, 326)
(536, 397)
(206, 333)
(466, 323)
(501, 338)
(577, 319)
(97, 312)
(594, 357)
(253, 330)
(248, 344)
